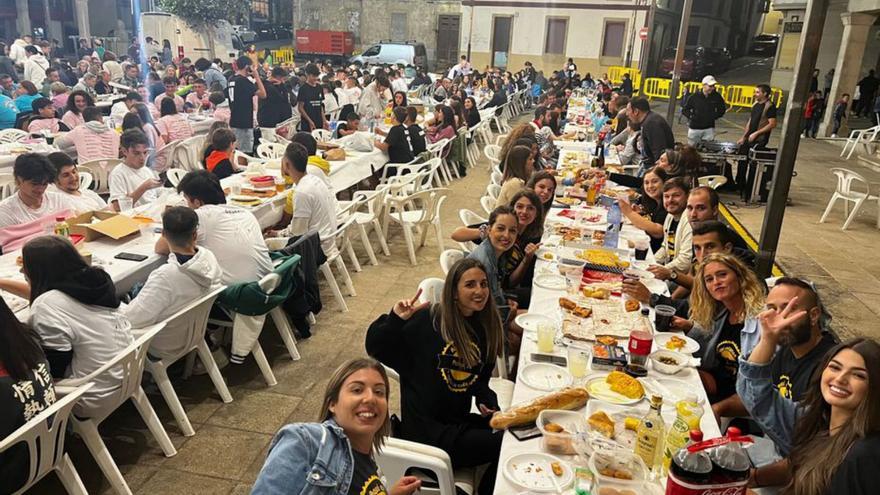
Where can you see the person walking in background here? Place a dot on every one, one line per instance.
(829, 80)
(839, 113)
(867, 87)
(814, 81)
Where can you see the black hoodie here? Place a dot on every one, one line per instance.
(92, 286)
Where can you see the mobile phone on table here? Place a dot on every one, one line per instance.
(549, 358)
(131, 257)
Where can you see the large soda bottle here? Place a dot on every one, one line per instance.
(730, 460)
(694, 468)
(687, 419)
(614, 223)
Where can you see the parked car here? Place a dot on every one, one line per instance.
(394, 52)
(284, 31)
(698, 62)
(765, 44)
(244, 33)
(266, 32)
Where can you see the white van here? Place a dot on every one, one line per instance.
(186, 41)
(393, 52)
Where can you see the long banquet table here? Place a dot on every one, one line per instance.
(545, 302)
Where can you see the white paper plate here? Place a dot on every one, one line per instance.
(546, 377)
(551, 281)
(671, 389)
(600, 390)
(531, 470)
(530, 321)
(661, 338)
(244, 199)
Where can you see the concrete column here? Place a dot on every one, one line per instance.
(53, 28)
(81, 7)
(849, 62)
(23, 21)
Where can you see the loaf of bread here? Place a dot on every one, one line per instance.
(568, 398)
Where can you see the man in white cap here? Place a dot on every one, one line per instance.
(702, 110)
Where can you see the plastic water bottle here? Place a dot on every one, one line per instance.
(614, 223)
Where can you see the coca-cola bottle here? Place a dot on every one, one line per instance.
(694, 468)
(730, 461)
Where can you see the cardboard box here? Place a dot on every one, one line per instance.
(110, 224)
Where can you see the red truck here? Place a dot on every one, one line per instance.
(334, 45)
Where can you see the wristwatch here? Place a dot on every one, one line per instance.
(654, 300)
(673, 274)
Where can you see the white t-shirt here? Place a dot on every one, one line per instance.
(13, 211)
(234, 236)
(312, 200)
(87, 200)
(95, 334)
(124, 180)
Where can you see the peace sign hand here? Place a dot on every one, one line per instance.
(405, 308)
(775, 322)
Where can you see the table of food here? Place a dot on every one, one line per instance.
(10, 151)
(605, 395)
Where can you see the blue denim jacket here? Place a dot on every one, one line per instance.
(774, 413)
(307, 459)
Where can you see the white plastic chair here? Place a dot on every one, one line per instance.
(100, 170)
(420, 210)
(322, 135)
(163, 158)
(190, 322)
(713, 181)
(493, 191)
(44, 437)
(496, 178)
(488, 204)
(400, 169)
(493, 153)
(271, 150)
(187, 154)
(131, 362)
(844, 191)
(341, 238)
(398, 457)
(85, 180)
(7, 185)
(436, 151)
(468, 217)
(432, 290)
(175, 175)
(13, 135)
(450, 257)
(864, 137)
(373, 201)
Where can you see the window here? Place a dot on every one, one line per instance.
(693, 37)
(612, 42)
(371, 51)
(398, 26)
(556, 34)
(703, 6)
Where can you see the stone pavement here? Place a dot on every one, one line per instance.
(232, 440)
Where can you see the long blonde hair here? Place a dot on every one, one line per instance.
(704, 308)
(455, 328)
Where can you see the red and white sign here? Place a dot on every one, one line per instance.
(643, 33)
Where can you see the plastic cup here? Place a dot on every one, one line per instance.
(578, 360)
(573, 282)
(125, 205)
(663, 317)
(235, 188)
(641, 246)
(146, 230)
(546, 336)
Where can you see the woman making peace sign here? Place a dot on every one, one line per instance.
(444, 355)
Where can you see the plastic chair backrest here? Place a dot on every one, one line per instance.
(432, 290)
(496, 178)
(322, 135)
(845, 179)
(13, 135)
(488, 204)
(164, 156)
(100, 170)
(186, 154)
(492, 152)
(398, 457)
(192, 319)
(713, 181)
(270, 151)
(425, 202)
(468, 217)
(493, 190)
(7, 185)
(436, 149)
(44, 436)
(450, 257)
(175, 175)
(85, 180)
(131, 361)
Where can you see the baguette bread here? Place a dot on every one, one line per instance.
(568, 399)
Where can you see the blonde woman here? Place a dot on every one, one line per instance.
(725, 302)
(519, 131)
(335, 456)
(445, 355)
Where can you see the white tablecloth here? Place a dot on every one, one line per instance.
(545, 302)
